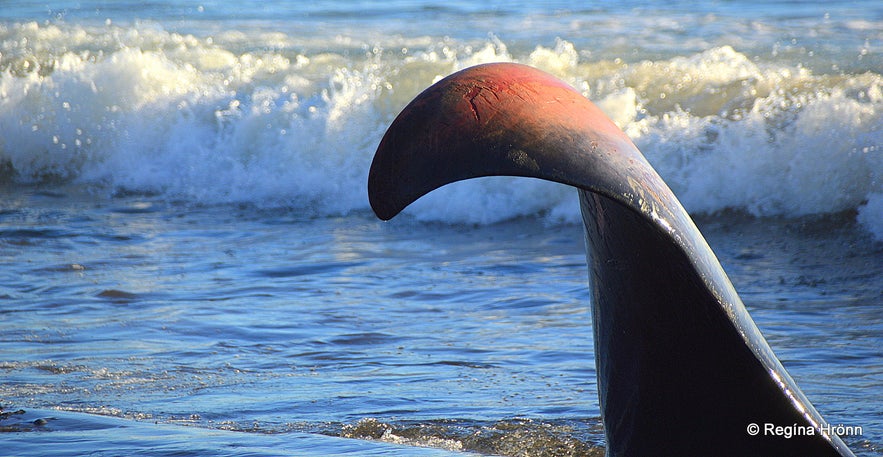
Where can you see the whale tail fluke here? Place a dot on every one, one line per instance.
(682, 368)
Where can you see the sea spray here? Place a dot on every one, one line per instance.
(268, 119)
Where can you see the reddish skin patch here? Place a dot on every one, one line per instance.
(532, 100)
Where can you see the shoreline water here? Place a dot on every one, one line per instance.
(264, 321)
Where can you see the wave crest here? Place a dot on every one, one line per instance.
(249, 117)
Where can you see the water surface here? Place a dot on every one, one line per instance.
(187, 246)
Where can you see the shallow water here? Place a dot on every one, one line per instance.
(187, 248)
(264, 322)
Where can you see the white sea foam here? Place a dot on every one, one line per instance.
(249, 117)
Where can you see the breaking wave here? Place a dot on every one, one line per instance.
(270, 120)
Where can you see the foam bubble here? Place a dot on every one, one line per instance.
(871, 215)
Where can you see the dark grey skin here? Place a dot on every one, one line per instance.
(682, 368)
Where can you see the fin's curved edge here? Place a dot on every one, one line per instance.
(487, 120)
(508, 119)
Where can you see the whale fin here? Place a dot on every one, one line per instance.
(682, 367)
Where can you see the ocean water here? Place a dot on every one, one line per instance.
(190, 265)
